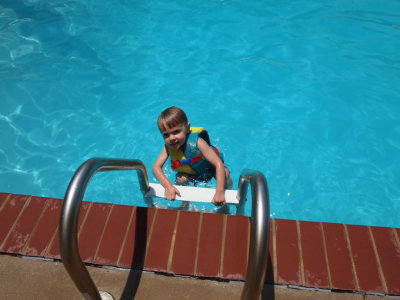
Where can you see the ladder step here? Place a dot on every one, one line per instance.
(192, 193)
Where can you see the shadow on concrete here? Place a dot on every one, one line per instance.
(268, 292)
(138, 255)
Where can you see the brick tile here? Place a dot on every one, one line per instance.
(53, 250)
(134, 250)
(313, 250)
(389, 255)
(9, 213)
(90, 234)
(288, 255)
(114, 234)
(364, 259)
(183, 260)
(41, 238)
(209, 252)
(24, 226)
(338, 257)
(236, 247)
(160, 240)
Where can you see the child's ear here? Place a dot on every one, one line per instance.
(188, 127)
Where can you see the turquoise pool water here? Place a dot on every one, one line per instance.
(304, 91)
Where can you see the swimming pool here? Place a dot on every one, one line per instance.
(307, 93)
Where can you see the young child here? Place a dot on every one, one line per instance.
(192, 155)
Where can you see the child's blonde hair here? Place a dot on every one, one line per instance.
(171, 117)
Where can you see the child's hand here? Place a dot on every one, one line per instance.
(219, 198)
(171, 192)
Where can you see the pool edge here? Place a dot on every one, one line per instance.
(330, 256)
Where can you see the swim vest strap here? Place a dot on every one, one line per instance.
(175, 163)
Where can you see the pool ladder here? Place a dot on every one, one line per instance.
(257, 257)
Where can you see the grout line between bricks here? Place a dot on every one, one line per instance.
(150, 234)
(173, 239)
(302, 277)
(94, 258)
(46, 251)
(223, 238)
(328, 269)
(378, 261)
(397, 239)
(274, 254)
(85, 218)
(4, 202)
(353, 265)
(198, 244)
(126, 235)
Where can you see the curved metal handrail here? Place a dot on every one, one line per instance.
(68, 233)
(257, 258)
(259, 224)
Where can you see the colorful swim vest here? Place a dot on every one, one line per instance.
(190, 160)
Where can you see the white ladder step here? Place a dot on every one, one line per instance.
(192, 193)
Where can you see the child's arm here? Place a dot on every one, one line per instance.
(213, 158)
(170, 191)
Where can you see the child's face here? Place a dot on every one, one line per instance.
(175, 137)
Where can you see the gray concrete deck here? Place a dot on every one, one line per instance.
(26, 278)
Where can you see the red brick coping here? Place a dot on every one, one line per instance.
(309, 254)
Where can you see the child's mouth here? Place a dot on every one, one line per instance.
(173, 144)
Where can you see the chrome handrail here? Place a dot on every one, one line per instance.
(259, 224)
(68, 232)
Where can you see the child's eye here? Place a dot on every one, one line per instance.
(165, 135)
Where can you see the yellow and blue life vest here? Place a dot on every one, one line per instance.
(189, 158)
